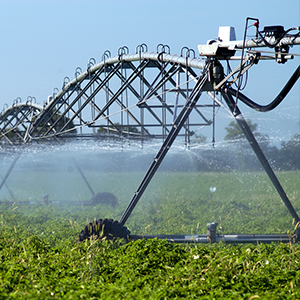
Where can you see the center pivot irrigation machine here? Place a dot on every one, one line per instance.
(106, 89)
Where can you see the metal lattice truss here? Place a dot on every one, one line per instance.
(131, 95)
(16, 121)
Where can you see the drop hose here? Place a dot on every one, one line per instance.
(275, 102)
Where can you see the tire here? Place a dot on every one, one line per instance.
(107, 228)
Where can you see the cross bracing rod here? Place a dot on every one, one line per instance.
(53, 103)
(155, 86)
(120, 102)
(70, 106)
(102, 85)
(123, 108)
(139, 96)
(24, 116)
(88, 100)
(142, 98)
(130, 79)
(19, 117)
(28, 127)
(191, 73)
(82, 91)
(13, 112)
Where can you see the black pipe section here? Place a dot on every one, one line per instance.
(259, 153)
(275, 102)
(178, 124)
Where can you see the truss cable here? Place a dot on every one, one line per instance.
(275, 102)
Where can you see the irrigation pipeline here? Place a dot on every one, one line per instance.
(223, 238)
(275, 102)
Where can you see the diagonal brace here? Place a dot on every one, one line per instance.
(259, 153)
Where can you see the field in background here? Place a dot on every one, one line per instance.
(174, 203)
(41, 259)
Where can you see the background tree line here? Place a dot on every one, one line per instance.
(237, 153)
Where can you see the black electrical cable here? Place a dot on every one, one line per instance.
(246, 80)
(278, 39)
(275, 102)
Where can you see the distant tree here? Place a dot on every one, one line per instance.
(244, 155)
(199, 139)
(13, 134)
(289, 153)
(131, 129)
(44, 127)
(234, 132)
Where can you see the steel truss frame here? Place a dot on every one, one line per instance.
(136, 96)
(16, 121)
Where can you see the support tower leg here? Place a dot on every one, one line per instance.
(259, 153)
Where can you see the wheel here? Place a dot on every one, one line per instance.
(107, 228)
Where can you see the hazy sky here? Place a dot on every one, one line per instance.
(44, 41)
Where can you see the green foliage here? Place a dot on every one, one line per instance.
(290, 152)
(40, 258)
(44, 127)
(199, 139)
(234, 132)
(284, 158)
(117, 128)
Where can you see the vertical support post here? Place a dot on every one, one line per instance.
(260, 155)
(211, 232)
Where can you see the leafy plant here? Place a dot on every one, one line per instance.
(41, 259)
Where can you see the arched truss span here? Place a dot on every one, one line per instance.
(15, 121)
(130, 95)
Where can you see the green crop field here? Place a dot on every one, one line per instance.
(41, 259)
